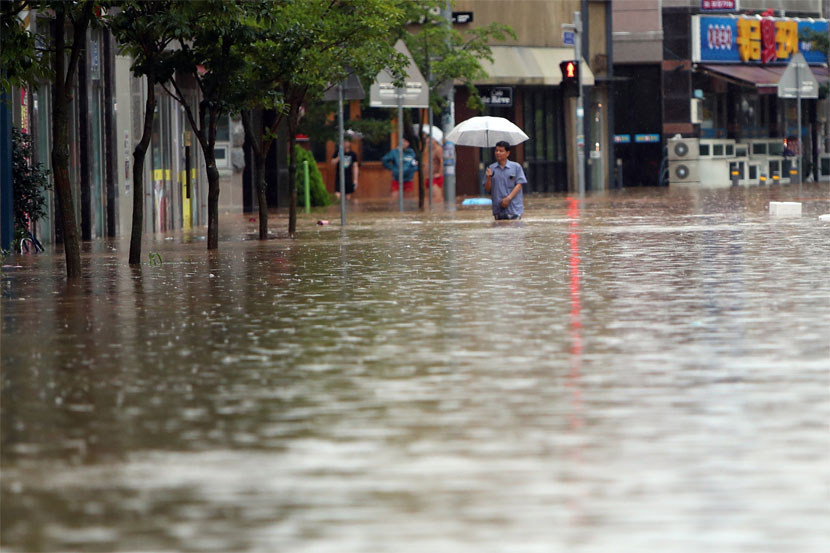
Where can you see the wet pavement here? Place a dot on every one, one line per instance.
(644, 371)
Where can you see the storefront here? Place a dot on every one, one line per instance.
(737, 64)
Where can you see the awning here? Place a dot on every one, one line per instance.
(527, 65)
(764, 78)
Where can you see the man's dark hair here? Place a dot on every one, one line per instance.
(504, 144)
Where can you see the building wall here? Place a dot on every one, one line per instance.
(536, 22)
(638, 31)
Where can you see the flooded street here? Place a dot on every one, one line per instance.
(645, 371)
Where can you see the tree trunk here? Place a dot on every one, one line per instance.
(138, 173)
(213, 199)
(60, 151)
(260, 149)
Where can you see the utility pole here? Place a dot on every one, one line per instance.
(448, 122)
(341, 177)
(576, 27)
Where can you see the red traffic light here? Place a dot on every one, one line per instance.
(570, 70)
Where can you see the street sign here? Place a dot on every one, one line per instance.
(798, 80)
(352, 90)
(568, 38)
(415, 93)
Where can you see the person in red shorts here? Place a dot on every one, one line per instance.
(437, 170)
(410, 165)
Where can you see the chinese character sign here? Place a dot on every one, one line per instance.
(754, 40)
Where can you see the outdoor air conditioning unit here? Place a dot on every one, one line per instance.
(717, 148)
(714, 172)
(696, 110)
(683, 149)
(684, 172)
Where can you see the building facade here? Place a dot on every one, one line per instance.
(722, 64)
(106, 123)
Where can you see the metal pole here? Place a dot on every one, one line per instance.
(448, 122)
(342, 166)
(429, 153)
(307, 191)
(580, 111)
(799, 156)
(400, 150)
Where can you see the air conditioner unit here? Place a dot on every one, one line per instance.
(741, 151)
(696, 110)
(717, 148)
(714, 173)
(684, 172)
(763, 147)
(683, 148)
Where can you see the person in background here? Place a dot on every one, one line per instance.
(437, 170)
(504, 180)
(410, 165)
(351, 170)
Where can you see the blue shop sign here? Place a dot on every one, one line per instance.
(748, 40)
(622, 139)
(647, 138)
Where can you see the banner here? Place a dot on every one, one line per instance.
(753, 40)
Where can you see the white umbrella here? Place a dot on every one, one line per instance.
(437, 133)
(485, 131)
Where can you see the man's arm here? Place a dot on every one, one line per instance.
(488, 179)
(355, 172)
(509, 198)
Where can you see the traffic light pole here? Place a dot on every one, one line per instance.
(580, 110)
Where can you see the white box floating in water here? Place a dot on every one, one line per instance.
(824, 217)
(785, 209)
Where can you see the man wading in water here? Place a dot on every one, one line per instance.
(504, 179)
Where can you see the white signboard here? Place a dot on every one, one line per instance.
(798, 80)
(415, 93)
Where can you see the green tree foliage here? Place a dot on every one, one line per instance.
(317, 189)
(446, 55)
(20, 62)
(304, 47)
(31, 181)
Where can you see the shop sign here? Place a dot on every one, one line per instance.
(650, 138)
(622, 139)
(718, 5)
(498, 97)
(753, 40)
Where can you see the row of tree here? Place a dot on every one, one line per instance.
(244, 57)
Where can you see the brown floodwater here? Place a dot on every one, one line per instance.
(646, 370)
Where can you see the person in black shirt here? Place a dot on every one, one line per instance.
(351, 168)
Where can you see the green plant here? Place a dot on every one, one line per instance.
(31, 181)
(319, 195)
(155, 259)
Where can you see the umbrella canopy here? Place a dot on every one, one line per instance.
(437, 134)
(485, 131)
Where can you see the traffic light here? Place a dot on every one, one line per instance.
(570, 77)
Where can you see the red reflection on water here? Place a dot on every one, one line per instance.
(576, 309)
